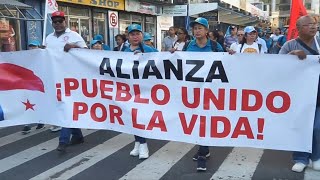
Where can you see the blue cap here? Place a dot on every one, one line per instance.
(98, 37)
(34, 43)
(249, 29)
(134, 27)
(202, 21)
(147, 36)
(93, 42)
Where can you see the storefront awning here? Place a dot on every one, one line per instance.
(13, 9)
(232, 17)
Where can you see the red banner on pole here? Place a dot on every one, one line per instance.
(297, 10)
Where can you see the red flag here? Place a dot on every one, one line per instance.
(297, 10)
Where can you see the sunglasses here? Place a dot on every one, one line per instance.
(58, 21)
(240, 34)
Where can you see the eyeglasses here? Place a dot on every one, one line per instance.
(58, 21)
(311, 25)
(240, 34)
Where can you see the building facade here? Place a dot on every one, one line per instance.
(87, 17)
(280, 10)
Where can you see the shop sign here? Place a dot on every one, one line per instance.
(256, 11)
(177, 10)
(113, 19)
(136, 6)
(110, 4)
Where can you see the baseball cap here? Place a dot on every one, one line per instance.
(232, 27)
(249, 29)
(134, 27)
(93, 42)
(200, 20)
(147, 36)
(34, 43)
(98, 37)
(57, 14)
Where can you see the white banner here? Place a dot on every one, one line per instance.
(214, 99)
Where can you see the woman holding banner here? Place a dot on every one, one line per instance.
(248, 43)
(137, 46)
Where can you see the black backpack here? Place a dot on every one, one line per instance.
(213, 46)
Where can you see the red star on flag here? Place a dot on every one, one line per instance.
(28, 105)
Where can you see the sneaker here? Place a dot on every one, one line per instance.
(143, 151)
(135, 150)
(195, 157)
(40, 126)
(298, 167)
(55, 128)
(62, 147)
(201, 163)
(75, 141)
(26, 130)
(316, 165)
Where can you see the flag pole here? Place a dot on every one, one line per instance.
(45, 23)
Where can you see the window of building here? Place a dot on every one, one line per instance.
(99, 24)
(151, 27)
(9, 33)
(126, 19)
(78, 20)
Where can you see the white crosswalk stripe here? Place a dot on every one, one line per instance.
(311, 174)
(17, 136)
(31, 153)
(241, 163)
(160, 162)
(86, 159)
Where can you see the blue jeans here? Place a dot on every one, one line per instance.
(304, 157)
(139, 139)
(66, 133)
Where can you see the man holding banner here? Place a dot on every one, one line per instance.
(64, 39)
(306, 44)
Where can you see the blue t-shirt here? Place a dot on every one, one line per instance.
(145, 48)
(193, 47)
(269, 42)
(106, 47)
(282, 40)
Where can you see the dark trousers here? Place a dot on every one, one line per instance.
(65, 134)
(139, 139)
(203, 150)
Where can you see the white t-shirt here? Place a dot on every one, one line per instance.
(263, 43)
(275, 38)
(254, 48)
(234, 46)
(178, 46)
(70, 37)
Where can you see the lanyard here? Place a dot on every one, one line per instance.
(317, 44)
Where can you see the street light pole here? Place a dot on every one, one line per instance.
(188, 16)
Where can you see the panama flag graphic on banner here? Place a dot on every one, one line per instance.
(20, 89)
